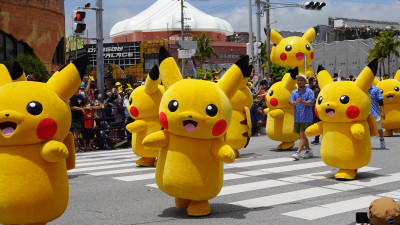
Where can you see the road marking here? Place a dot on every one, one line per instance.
(79, 165)
(257, 162)
(239, 188)
(129, 170)
(131, 164)
(137, 177)
(118, 156)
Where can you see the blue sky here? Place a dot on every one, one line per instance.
(236, 13)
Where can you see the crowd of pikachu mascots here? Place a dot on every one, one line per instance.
(186, 128)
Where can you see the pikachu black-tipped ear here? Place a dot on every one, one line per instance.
(275, 37)
(152, 81)
(294, 72)
(323, 77)
(169, 71)
(233, 77)
(17, 73)
(397, 75)
(67, 81)
(310, 34)
(367, 76)
(4, 75)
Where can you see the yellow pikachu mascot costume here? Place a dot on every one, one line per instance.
(293, 51)
(280, 114)
(391, 100)
(239, 131)
(195, 115)
(346, 125)
(143, 106)
(36, 147)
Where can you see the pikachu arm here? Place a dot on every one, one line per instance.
(54, 151)
(248, 117)
(276, 113)
(373, 128)
(315, 129)
(358, 131)
(157, 139)
(136, 126)
(69, 142)
(222, 151)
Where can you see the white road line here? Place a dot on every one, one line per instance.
(103, 153)
(257, 162)
(295, 167)
(321, 191)
(322, 211)
(121, 171)
(239, 188)
(137, 177)
(80, 165)
(124, 156)
(132, 164)
(332, 209)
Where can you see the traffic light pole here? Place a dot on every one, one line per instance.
(99, 45)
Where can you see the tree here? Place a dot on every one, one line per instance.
(31, 65)
(204, 48)
(385, 45)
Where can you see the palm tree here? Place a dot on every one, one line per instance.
(384, 47)
(204, 48)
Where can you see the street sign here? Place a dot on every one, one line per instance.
(186, 45)
(186, 54)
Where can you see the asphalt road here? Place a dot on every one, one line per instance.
(263, 186)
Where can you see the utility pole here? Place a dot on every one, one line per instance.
(267, 48)
(182, 33)
(251, 32)
(99, 45)
(258, 37)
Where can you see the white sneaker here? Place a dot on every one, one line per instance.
(296, 156)
(308, 154)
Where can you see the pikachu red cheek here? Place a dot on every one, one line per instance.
(46, 129)
(134, 111)
(273, 101)
(283, 56)
(312, 55)
(219, 127)
(352, 112)
(163, 120)
(316, 112)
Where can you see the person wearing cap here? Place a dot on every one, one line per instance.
(302, 99)
(382, 211)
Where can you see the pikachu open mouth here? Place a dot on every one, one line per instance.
(190, 125)
(390, 97)
(8, 128)
(330, 112)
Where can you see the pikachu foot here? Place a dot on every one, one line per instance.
(182, 203)
(387, 133)
(236, 152)
(286, 145)
(145, 161)
(345, 174)
(199, 208)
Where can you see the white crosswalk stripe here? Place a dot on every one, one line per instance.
(257, 176)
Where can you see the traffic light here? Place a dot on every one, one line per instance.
(313, 5)
(257, 48)
(79, 22)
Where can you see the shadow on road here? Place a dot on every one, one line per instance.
(217, 211)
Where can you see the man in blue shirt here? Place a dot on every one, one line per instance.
(377, 110)
(302, 99)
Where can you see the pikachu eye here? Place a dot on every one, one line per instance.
(344, 99)
(381, 91)
(288, 48)
(308, 47)
(173, 105)
(34, 108)
(271, 93)
(396, 89)
(130, 101)
(211, 110)
(319, 100)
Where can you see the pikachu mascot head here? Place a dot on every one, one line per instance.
(294, 51)
(345, 125)
(143, 106)
(239, 131)
(36, 147)
(390, 89)
(280, 114)
(195, 115)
